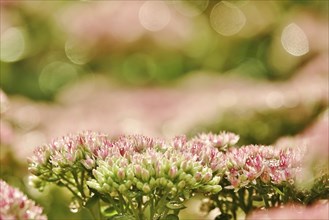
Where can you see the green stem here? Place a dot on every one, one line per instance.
(250, 194)
(267, 205)
(151, 207)
(133, 210)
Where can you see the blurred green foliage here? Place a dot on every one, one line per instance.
(264, 127)
(142, 62)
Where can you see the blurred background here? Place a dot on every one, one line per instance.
(159, 68)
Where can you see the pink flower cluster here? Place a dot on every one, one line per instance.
(15, 205)
(267, 164)
(239, 165)
(69, 151)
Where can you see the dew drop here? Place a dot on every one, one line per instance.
(74, 206)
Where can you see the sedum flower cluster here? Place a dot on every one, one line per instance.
(15, 205)
(138, 177)
(252, 163)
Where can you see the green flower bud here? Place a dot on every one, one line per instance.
(128, 184)
(170, 184)
(145, 175)
(146, 188)
(121, 174)
(207, 177)
(98, 175)
(94, 185)
(192, 181)
(181, 184)
(140, 185)
(122, 188)
(163, 181)
(152, 182)
(216, 189)
(173, 172)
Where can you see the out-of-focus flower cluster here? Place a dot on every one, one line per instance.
(15, 205)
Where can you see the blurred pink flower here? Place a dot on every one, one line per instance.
(314, 138)
(114, 23)
(318, 211)
(15, 205)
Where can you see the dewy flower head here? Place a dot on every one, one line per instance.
(15, 205)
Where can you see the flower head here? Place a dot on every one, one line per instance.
(67, 153)
(15, 205)
(250, 163)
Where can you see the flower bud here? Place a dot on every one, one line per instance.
(146, 188)
(140, 185)
(152, 182)
(88, 163)
(198, 176)
(94, 185)
(121, 174)
(138, 170)
(145, 175)
(98, 175)
(128, 184)
(215, 180)
(163, 181)
(207, 177)
(170, 184)
(173, 172)
(181, 184)
(216, 189)
(122, 188)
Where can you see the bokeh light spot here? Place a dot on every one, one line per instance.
(294, 40)
(154, 15)
(191, 8)
(275, 100)
(12, 45)
(227, 19)
(76, 52)
(55, 75)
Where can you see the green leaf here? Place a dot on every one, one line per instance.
(174, 205)
(278, 191)
(92, 201)
(109, 211)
